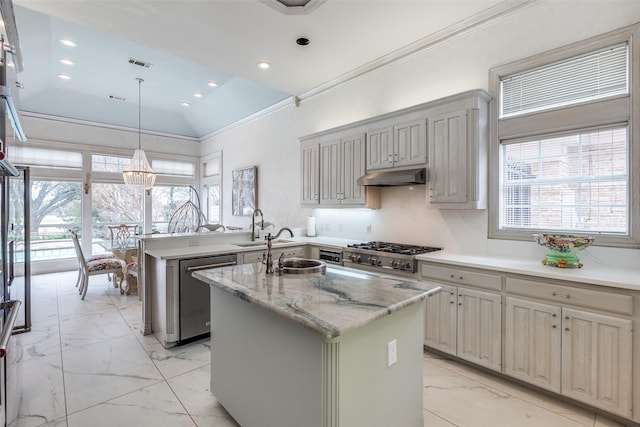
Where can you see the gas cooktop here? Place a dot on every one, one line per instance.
(384, 255)
(393, 248)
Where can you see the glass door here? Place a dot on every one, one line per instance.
(19, 247)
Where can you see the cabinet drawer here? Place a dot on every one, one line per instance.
(615, 303)
(460, 276)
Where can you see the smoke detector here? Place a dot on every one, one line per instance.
(294, 7)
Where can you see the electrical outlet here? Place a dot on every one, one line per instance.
(392, 353)
(368, 228)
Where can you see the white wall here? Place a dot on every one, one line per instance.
(455, 65)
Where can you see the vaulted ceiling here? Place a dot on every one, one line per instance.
(193, 42)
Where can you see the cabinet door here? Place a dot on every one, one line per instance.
(380, 148)
(310, 162)
(251, 257)
(330, 173)
(480, 327)
(596, 360)
(448, 167)
(410, 143)
(353, 157)
(532, 342)
(440, 320)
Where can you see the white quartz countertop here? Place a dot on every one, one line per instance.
(624, 278)
(330, 304)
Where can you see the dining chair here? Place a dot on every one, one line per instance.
(122, 234)
(94, 267)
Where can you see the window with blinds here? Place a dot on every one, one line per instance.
(49, 158)
(573, 182)
(583, 78)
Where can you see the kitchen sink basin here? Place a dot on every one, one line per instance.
(303, 266)
(261, 243)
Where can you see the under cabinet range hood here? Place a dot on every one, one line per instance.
(394, 178)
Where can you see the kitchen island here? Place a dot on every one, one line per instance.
(337, 349)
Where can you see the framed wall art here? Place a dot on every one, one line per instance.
(244, 193)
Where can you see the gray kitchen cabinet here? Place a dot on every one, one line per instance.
(341, 164)
(461, 320)
(533, 342)
(458, 138)
(380, 148)
(398, 145)
(310, 174)
(331, 167)
(556, 341)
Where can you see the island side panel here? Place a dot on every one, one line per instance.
(371, 393)
(265, 370)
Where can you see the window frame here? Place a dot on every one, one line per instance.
(211, 180)
(575, 118)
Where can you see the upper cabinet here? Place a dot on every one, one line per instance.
(458, 149)
(397, 145)
(448, 136)
(310, 182)
(331, 167)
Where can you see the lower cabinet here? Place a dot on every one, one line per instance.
(466, 323)
(580, 354)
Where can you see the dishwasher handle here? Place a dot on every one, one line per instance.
(7, 329)
(204, 267)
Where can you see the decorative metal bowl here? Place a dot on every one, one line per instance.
(563, 249)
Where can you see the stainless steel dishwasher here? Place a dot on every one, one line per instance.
(195, 310)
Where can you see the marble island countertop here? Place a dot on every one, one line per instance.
(330, 304)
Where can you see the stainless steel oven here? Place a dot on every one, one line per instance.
(332, 256)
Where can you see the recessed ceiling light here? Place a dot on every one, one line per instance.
(302, 41)
(185, 104)
(263, 65)
(197, 95)
(68, 42)
(64, 77)
(213, 84)
(66, 62)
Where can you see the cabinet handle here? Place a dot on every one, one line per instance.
(459, 303)
(450, 302)
(390, 158)
(553, 315)
(553, 326)
(566, 329)
(566, 317)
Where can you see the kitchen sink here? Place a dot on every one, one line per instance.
(261, 243)
(303, 266)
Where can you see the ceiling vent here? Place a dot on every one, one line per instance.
(140, 63)
(294, 7)
(117, 98)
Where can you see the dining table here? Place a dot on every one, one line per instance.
(128, 252)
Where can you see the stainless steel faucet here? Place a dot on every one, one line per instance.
(255, 213)
(269, 238)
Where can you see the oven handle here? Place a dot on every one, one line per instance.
(7, 329)
(204, 267)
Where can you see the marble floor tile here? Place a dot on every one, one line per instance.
(41, 393)
(178, 360)
(155, 406)
(42, 340)
(89, 328)
(106, 370)
(193, 390)
(86, 363)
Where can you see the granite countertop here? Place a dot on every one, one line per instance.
(330, 304)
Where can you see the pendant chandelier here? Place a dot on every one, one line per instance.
(139, 175)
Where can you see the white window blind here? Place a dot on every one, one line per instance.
(585, 78)
(212, 167)
(573, 183)
(173, 167)
(30, 156)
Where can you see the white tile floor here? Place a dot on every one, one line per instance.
(85, 363)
